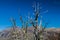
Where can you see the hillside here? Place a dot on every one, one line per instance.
(17, 34)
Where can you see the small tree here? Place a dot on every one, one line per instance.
(14, 34)
(24, 28)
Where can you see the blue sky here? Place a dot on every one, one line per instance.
(12, 8)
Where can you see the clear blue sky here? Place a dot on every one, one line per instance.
(10, 8)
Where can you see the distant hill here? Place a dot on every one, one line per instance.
(10, 34)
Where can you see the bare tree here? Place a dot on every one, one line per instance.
(24, 28)
(14, 33)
